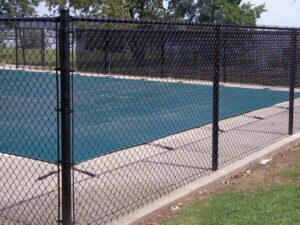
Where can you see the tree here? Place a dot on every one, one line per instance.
(145, 9)
(223, 11)
(18, 7)
(90, 7)
(231, 12)
(182, 9)
(140, 9)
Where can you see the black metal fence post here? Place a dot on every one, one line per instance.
(22, 43)
(107, 59)
(216, 80)
(293, 65)
(162, 56)
(16, 47)
(66, 155)
(224, 57)
(43, 47)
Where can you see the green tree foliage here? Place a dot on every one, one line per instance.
(150, 9)
(90, 7)
(182, 10)
(231, 12)
(223, 11)
(18, 7)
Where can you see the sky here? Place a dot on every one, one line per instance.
(42, 9)
(279, 12)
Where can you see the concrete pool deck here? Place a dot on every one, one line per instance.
(121, 182)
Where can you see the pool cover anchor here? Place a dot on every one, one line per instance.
(45, 176)
(169, 148)
(254, 117)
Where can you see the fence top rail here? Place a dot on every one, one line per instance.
(29, 19)
(200, 31)
(145, 22)
(178, 23)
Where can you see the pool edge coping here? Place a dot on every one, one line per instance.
(202, 183)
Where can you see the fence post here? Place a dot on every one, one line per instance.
(42, 47)
(107, 54)
(224, 57)
(293, 67)
(22, 37)
(66, 155)
(107, 59)
(216, 80)
(16, 47)
(162, 55)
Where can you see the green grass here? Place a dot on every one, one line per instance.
(296, 149)
(279, 205)
(32, 56)
(271, 204)
(292, 173)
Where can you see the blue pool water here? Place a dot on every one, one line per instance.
(110, 114)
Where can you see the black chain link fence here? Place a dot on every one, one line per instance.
(102, 116)
(29, 135)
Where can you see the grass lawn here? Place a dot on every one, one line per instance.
(280, 205)
(270, 195)
(32, 56)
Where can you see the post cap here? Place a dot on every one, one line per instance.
(63, 8)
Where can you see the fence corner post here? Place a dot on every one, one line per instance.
(293, 66)
(65, 97)
(216, 81)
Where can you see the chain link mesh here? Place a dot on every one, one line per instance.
(258, 65)
(28, 122)
(155, 105)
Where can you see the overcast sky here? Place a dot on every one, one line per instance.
(280, 12)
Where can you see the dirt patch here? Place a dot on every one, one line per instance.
(281, 169)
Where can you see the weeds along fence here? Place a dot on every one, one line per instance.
(99, 116)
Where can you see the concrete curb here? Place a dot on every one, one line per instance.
(202, 183)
